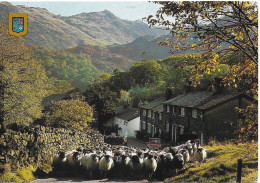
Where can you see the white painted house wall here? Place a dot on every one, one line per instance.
(128, 127)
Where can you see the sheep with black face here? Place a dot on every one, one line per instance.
(136, 165)
(150, 165)
(200, 155)
(90, 163)
(106, 164)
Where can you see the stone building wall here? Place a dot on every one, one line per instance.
(38, 145)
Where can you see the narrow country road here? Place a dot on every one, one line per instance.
(130, 143)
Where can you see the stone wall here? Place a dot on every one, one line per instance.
(115, 140)
(31, 146)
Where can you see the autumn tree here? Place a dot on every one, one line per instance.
(23, 81)
(72, 114)
(215, 29)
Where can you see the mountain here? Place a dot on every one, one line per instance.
(143, 48)
(59, 32)
(107, 27)
(108, 58)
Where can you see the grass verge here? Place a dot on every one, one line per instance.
(221, 164)
(26, 174)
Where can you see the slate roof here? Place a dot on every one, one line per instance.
(153, 104)
(128, 114)
(158, 108)
(218, 99)
(190, 99)
(201, 99)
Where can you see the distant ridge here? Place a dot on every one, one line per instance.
(60, 32)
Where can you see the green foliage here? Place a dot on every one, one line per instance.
(26, 173)
(21, 175)
(103, 99)
(76, 70)
(175, 74)
(73, 114)
(146, 72)
(23, 79)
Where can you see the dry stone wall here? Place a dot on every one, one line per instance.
(38, 145)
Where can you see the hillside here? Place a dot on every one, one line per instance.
(107, 27)
(124, 56)
(57, 32)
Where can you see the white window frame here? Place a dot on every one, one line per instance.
(182, 111)
(194, 113)
(143, 126)
(149, 113)
(167, 127)
(149, 128)
(168, 108)
(181, 129)
(160, 116)
(144, 112)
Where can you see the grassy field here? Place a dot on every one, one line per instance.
(221, 164)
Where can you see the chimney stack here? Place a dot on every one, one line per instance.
(218, 85)
(168, 93)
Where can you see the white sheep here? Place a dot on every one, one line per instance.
(150, 165)
(200, 155)
(188, 146)
(106, 164)
(186, 156)
(90, 163)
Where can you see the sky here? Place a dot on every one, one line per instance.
(128, 10)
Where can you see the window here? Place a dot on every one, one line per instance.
(160, 116)
(149, 113)
(181, 129)
(149, 128)
(144, 112)
(167, 127)
(153, 114)
(194, 113)
(143, 126)
(182, 111)
(125, 123)
(173, 109)
(168, 108)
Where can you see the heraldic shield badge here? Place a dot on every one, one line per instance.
(18, 24)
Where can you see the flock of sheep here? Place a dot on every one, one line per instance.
(126, 162)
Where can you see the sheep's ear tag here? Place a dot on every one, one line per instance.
(18, 24)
